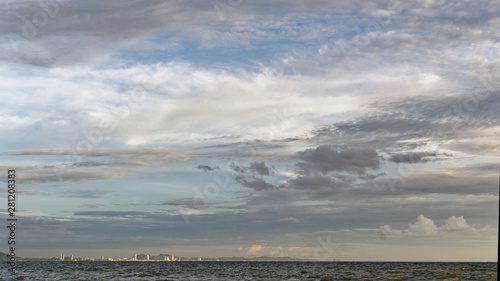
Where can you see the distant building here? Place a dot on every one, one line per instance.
(62, 256)
(102, 258)
(173, 258)
(199, 259)
(135, 257)
(71, 257)
(147, 257)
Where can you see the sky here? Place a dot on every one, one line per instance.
(325, 130)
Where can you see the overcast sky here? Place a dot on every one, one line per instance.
(351, 130)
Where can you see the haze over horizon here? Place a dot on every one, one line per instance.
(351, 130)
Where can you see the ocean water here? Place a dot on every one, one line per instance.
(249, 271)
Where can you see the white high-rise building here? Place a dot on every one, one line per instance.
(147, 257)
(62, 256)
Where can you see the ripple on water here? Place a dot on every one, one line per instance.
(322, 271)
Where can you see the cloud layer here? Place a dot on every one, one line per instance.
(309, 129)
(425, 227)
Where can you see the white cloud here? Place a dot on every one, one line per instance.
(277, 251)
(457, 224)
(290, 219)
(174, 103)
(386, 230)
(425, 227)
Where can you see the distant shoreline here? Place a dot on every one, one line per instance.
(256, 261)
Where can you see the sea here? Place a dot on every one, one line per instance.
(323, 271)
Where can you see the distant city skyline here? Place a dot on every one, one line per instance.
(351, 130)
(161, 257)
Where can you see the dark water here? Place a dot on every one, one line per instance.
(249, 271)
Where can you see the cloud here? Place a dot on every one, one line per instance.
(74, 168)
(85, 193)
(95, 28)
(413, 157)
(451, 121)
(100, 29)
(312, 180)
(289, 219)
(182, 97)
(115, 214)
(274, 251)
(424, 227)
(258, 167)
(207, 168)
(92, 206)
(183, 202)
(25, 191)
(436, 180)
(319, 186)
(82, 173)
(198, 201)
(386, 230)
(327, 158)
(253, 250)
(258, 184)
(237, 168)
(135, 157)
(32, 175)
(315, 186)
(88, 164)
(457, 224)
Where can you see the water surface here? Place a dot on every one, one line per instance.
(250, 271)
